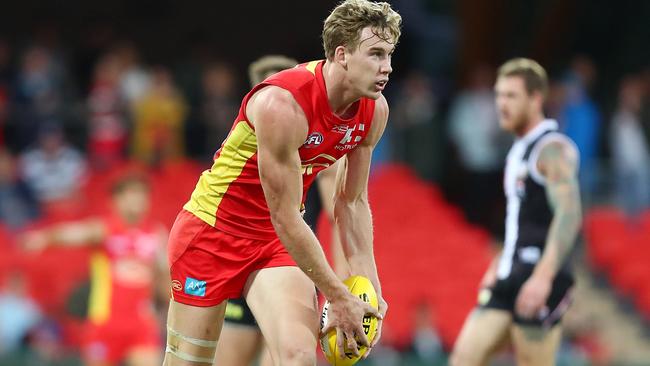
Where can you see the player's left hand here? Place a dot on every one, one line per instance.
(383, 307)
(531, 300)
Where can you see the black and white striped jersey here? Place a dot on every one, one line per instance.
(528, 214)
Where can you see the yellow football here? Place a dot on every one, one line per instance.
(362, 287)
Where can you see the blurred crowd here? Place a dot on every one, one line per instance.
(58, 126)
(452, 137)
(55, 125)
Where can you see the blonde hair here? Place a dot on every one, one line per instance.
(268, 65)
(534, 75)
(344, 25)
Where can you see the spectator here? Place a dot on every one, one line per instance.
(135, 80)
(426, 342)
(5, 81)
(18, 205)
(580, 119)
(18, 313)
(481, 146)
(45, 342)
(219, 103)
(42, 346)
(107, 115)
(38, 95)
(556, 99)
(630, 149)
(53, 169)
(416, 140)
(158, 121)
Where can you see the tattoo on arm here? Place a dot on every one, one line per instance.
(559, 167)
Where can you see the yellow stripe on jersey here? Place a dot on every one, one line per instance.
(239, 146)
(99, 304)
(311, 66)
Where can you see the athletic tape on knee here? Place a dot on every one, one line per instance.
(187, 357)
(194, 341)
(205, 349)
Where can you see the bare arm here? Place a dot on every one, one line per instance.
(326, 183)
(87, 232)
(351, 209)
(281, 128)
(558, 164)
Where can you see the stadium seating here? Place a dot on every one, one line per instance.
(620, 248)
(426, 252)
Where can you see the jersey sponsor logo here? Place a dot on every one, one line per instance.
(314, 139)
(176, 285)
(350, 140)
(348, 135)
(340, 128)
(194, 287)
(345, 147)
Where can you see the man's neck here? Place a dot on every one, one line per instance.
(339, 91)
(532, 123)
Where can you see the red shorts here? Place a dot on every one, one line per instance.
(112, 341)
(209, 266)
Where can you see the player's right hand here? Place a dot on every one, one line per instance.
(33, 241)
(345, 314)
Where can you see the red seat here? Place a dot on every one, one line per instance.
(425, 251)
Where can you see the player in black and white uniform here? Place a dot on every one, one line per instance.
(527, 288)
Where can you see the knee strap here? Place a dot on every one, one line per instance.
(190, 349)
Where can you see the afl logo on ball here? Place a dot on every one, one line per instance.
(176, 285)
(314, 139)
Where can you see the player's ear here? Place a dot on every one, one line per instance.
(340, 57)
(538, 98)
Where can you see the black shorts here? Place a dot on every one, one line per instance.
(238, 312)
(503, 296)
(313, 207)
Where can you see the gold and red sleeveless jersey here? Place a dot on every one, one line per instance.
(229, 195)
(127, 251)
